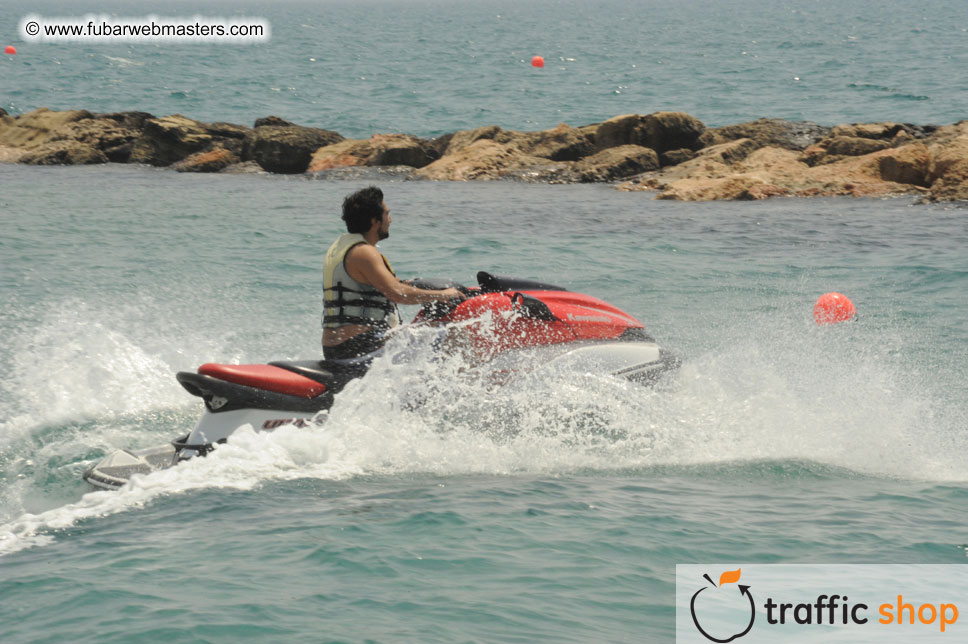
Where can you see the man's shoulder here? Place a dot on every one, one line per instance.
(363, 249)
(364, 252)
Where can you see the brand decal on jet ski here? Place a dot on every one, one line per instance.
(272, 424)
(588, 318)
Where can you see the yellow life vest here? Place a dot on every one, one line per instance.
(347, 301)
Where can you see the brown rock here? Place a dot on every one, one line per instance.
(224, 130)
(759, 191)
(590, 132)
(661, 131)
(814, 155)
(562, 143)
(272, 121)
(119, 153)
(774, 171)
(739, 171)
(130, 120)
(853, 146)
(63, 153)
(880, 131)
(169, 139)
(214, 160)
(948, 134)
(484, 159)
(675, 157)
(729, 153)
(106, 133)
(618, 130)
(490, 152)
(438, 146)
(615, 163)
(112, 133)
(378, 150)
(723, 188)
(908, 164)
(36, 128)
(100, 133)
(756, 160)
(699, 178)
(402, 149)
(950, 188)
(837, 148)
(859, 139)
(346, 153)
(948, 149)
(286, 149)
(664, 131)
(10, 155)
(948, 174)
(460, 140)
(774, 166)
(902, 138)
(853, 176)
(790, 135)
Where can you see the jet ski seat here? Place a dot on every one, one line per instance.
(334, 375)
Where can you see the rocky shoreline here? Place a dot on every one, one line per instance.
(671, 153)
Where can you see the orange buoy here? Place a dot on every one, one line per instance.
(10, 49)
(537, 61)
(832, 308)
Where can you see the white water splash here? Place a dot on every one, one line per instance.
(846, 397)
(90, 362)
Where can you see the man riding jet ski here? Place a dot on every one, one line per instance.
(499, 320)
(360, 297)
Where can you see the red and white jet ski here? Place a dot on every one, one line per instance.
(504, 323)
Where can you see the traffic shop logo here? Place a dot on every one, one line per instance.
(738, 597)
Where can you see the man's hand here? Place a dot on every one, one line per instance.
(453, 294)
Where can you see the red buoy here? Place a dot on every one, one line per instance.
(537, 61)
(10, 49)
(832, 308)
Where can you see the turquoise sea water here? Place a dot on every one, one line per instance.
(434, 66)
(554, 512)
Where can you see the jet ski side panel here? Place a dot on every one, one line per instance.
(638, 360)
(215, 427)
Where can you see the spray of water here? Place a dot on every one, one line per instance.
(847, 397)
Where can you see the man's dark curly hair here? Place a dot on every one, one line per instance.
(361, 208)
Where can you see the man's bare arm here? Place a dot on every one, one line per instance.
(365, 264)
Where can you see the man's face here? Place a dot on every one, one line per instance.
(385, 222)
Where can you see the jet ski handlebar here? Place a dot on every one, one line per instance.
(442, 308)
(433, 284)
(487, 283)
